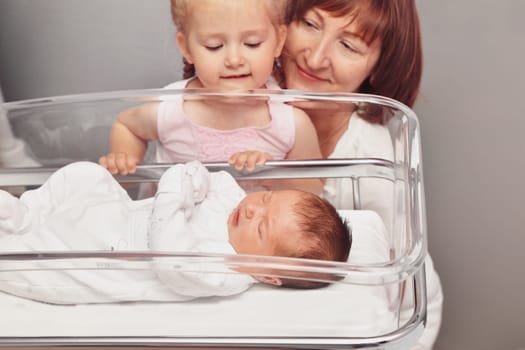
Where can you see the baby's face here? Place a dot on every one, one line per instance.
(264, 223)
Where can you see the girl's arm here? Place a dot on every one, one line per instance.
(129, 136)
(306, 146)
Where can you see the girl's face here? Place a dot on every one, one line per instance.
(232, 44)
(264, 223)
(323, 53)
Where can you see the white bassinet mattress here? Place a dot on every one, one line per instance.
(338, 310)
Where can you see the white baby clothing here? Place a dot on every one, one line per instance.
(82, 207)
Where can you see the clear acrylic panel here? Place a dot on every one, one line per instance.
(361, 306)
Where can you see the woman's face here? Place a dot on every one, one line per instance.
(323, 53)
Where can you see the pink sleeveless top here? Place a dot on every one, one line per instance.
(181, 140)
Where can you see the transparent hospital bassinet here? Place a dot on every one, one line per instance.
(378, 301)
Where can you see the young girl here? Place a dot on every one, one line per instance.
(227, 45)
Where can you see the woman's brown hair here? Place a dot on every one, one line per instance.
(397, 73)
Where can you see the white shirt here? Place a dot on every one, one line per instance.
(366, 140)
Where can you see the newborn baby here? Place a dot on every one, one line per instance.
(82, 207)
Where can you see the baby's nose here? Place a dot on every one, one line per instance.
(252, 210)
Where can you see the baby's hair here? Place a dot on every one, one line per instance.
(180, 12)
(324, 235)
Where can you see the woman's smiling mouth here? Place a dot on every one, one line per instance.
(308, 76)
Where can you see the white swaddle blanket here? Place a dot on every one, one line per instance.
(340, 310)
(82, 207)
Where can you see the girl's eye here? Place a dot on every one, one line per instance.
(213, 47)
(253, 45)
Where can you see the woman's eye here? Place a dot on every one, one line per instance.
(309, 23)
(348, 46)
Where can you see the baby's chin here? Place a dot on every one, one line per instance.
(234, 246)
(229, 224)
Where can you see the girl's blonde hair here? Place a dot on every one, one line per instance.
(180, 12)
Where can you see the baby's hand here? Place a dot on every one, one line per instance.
(248, 159)
(120, 163)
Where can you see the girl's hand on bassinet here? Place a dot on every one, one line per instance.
(119, 163)
(247, 160)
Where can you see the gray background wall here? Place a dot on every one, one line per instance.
(470, 111)
(473, 142)
(58, 47)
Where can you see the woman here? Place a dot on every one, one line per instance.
(353, 46)
(358, 46)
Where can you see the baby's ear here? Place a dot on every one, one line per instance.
(182, 43)
(270, 280)
(281, 31)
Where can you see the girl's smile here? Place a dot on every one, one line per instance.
(238, 76)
